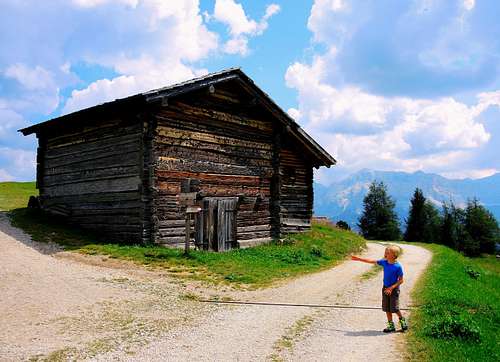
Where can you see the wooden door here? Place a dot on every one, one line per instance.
(216, 224)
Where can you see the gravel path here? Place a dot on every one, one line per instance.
(53, 306)
(258, 333)
(58, 306)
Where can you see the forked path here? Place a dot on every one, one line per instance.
(259, 333)
(56, 307)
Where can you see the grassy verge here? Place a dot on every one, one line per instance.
(318, 249)
(460, 317)
(16, 194)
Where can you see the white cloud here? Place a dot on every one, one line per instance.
(473, 173)
(469, 4)
(271, 10)
(233, 15)
(381, 95)
(39, 91)
(365, 130)
(94, 3)
(236, 45)
(22, 163)
(105, 90)
(295, 114)
(240, 26)
(30, 78)
(176, 37)
(10, 122)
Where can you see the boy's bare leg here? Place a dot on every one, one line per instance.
(389, 316)
(399, 314)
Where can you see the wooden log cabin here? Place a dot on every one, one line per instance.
(120, 167)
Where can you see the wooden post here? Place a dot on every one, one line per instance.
(187, 239)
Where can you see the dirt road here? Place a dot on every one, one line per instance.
(65, 309)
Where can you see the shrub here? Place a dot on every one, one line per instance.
(317, 251)
(341, 224)
(454, 325)
(474, 274)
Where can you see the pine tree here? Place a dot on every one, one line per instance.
(482, 227)
(432, 223)
(416, 217)
(379, 221)
(448, 227)
(423, 221)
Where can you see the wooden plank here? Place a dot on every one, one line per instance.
(212, 167)
(91, 175)
(221, 179)
(95, 187)
(296, 222)
(104, 143)
(212, 126)
(245, 229)
(224, 149)
(179, 109)
(117, 160)
(86, 157)
(210, 138)
(190, 153)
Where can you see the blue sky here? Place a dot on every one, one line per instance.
(388, 85)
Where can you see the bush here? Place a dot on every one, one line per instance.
(343, 225)
(317, 251)
(474, 274)
(454, 325)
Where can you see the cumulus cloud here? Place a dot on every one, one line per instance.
(142, 44)
(20, 164)
(30, 78)
(363, 130)
(93, 3)
(417, 49)
(384, 92)
(240, 26)
(173, 38)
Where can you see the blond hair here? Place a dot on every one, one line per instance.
(396, 250)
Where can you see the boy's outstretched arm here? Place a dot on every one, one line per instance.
(364, 260)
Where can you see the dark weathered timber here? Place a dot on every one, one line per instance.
(119, 168)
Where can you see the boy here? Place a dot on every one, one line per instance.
(393, 278)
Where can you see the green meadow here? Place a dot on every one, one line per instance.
(460, 315)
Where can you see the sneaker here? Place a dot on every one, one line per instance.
(390, 327)
(403, 324)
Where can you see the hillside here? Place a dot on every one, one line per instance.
(344, 200)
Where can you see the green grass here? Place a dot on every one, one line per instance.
(318, 249)
(460, 316)
(299, 254)
(15, 195)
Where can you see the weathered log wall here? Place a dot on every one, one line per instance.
(296, 190)
(91, 174)
(227, 151)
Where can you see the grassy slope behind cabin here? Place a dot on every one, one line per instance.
(321, 248)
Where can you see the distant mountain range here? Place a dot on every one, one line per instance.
(344, 200)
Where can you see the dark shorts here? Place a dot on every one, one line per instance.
(390, 303)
